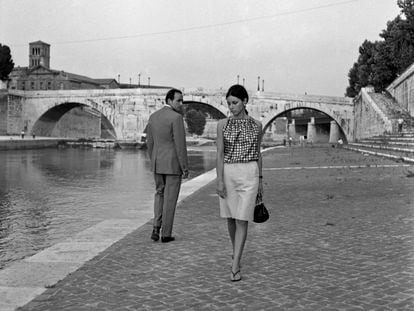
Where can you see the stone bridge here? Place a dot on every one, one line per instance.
(123, 113)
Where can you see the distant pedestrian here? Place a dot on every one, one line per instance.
(22, 134)
(239, 171)
(400, 125)
(166, 145)
(302, 140)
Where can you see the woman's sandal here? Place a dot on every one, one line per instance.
(234, 277)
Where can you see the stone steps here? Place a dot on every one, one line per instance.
(402, 135)
(394, 145)
(399, 147)
(392, 109)
(403, 144)
(395, 155)
(389, 139)
(406, 150)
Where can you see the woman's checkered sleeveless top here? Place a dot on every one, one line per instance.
(241, 138)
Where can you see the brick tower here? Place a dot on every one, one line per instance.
(39, 54)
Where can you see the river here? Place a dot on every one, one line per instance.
(48, 195)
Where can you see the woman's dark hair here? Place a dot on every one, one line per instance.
(171, 94)
(238, 91)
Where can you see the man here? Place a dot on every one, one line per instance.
(167, 149)
(400, 125)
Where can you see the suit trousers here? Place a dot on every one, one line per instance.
(167, 188)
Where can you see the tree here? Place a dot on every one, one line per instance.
(6, 62)
(206, 109)
(353, 88)
(384, 69)
(407, 8)
(196, 121)
(380, 62)
(362, 72)
(399, 42)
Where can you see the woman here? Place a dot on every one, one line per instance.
(239, 170)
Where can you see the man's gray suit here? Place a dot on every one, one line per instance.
(167, 149)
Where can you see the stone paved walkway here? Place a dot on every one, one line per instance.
(338, 239)
(27, 137)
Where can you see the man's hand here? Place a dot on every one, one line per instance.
(185, 174)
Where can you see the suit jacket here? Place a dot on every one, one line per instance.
(166, 142)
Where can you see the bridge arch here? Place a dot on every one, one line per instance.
(322, 123)
(75, 120)
(339, 110)
(216, 112)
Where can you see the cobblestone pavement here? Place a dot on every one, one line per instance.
(337, 239)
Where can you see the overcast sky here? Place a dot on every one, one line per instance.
(296, 46)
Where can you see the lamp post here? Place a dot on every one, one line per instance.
(262, 85)
(139, 80)
(149, 79)
(238, 79)
(119, 78)
(258, 83)
(243, 81)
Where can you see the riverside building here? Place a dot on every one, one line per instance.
(39, 76)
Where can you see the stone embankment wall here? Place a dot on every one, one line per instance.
(369, 119)
(15, 122)
(17, 144)
(3, 112)
(402, 89)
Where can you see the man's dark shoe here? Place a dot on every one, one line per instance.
(155, 234)
(166, 239)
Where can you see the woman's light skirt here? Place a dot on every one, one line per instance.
(242, 183)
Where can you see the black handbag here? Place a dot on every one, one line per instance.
(261, 214)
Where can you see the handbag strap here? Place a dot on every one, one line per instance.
(259, 197)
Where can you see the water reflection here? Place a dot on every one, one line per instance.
(48, 195)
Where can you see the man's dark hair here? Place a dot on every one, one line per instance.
(171, 94)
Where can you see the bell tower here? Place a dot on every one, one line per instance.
(39, 54)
